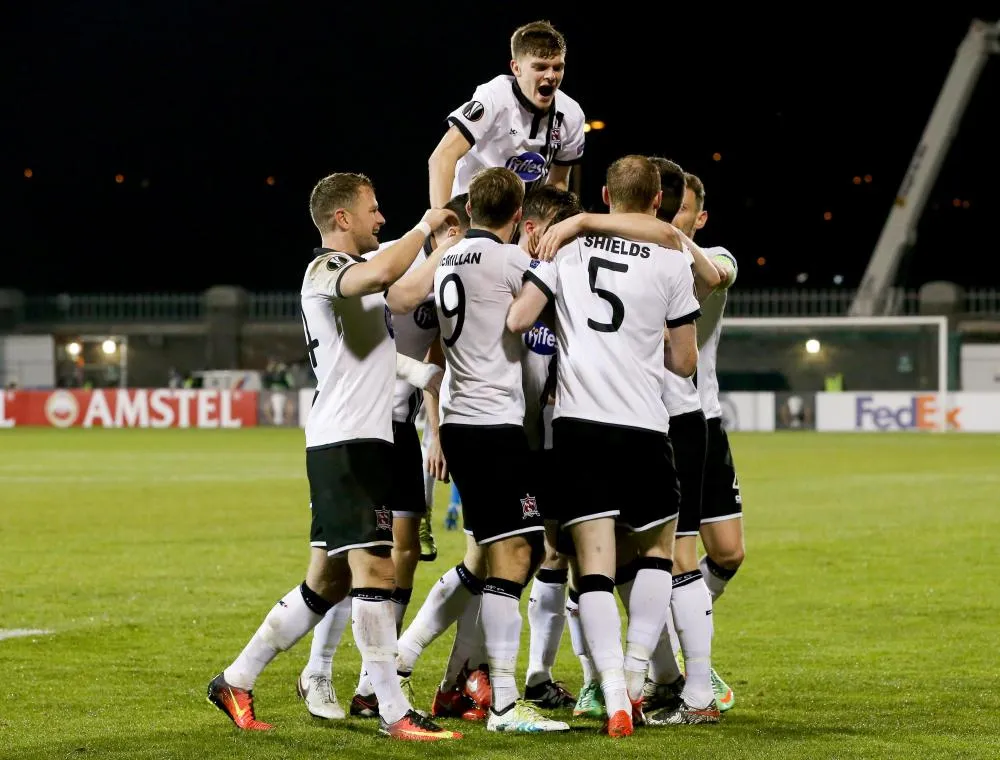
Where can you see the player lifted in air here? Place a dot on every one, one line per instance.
(349, 461)
(523, 122)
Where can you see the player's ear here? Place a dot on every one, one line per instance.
(657, 201)
(605, 197)
(514, 68)
(342, 218)
(468, 208)
(518, 215)
(529, 226)
(701, 220)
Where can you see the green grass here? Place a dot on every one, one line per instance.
(862, 625)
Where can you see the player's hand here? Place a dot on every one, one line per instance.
(557, 235)
(436, 464)
(436, 217)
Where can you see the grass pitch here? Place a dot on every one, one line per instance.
(862, 625)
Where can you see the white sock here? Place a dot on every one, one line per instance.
(400, 601)
(663, 664)
(468, 643)
(649, 606)
(602, 629)
(501, 618)
(692, 608)
(444, 603)
(716, 577)
(375, 635)
(326, 638)
(287, 622)
(546, 620)
(576, 636)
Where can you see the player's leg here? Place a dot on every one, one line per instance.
(689, 626)
(428, 547)
(315, 684)
(454, 504)
(492, 467)
(588, 512)
(547, 605)
(294, 615)
(362, 529)
(721, 530)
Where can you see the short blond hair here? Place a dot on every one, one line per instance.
(633, 182)
(335, 191)
(538, 38)
(495, 197)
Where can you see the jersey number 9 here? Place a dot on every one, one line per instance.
(452, 302)
(617, 307)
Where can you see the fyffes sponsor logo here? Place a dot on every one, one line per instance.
(528, 166)
(922, 413)
(541, 340)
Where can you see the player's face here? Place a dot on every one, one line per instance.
(689, 218)
(539, 78)
(366, 221)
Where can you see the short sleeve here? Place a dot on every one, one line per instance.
(571, 150)
(544, 276)
(325, 272)
(476, 117)
(682, 305)
(725, 257)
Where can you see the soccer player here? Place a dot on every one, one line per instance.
(722, 503)
(523, 122)
(482, 426)
(414, 329)
(667, 695)
(613, 298)
(348, 454)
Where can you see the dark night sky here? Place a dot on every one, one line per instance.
(197, 103)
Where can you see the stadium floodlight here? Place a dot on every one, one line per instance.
(73, 349)
(908, 355)
(109, 347)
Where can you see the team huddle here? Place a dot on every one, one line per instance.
(564, 362)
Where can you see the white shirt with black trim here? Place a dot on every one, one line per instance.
(680, 394)
(709, 335)
(474, 287)
(537, 364)
(352, 353)
(507, 129)
(613, 298)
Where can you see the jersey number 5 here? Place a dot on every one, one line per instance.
(617, 307)
(456, 311)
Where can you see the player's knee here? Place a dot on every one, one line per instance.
(729, 556)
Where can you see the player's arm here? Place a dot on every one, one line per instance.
(725, 263)
(634, 226)
(381, 271)
(423, 375)
(559, 176)
(680, 348)
(436, 463)
(412, 289)
(442, 164)
(707, 273)
(537, 291)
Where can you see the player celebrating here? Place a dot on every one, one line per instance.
(523, 122)
(348, 455)
(722, 504)
(613, 299)
(482, 426)
(415, 328)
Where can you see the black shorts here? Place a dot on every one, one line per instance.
(407, 498)
(493, 469)
(689, 438)
(350, 485)
(611, 471)
(721, 499)
(544, 473)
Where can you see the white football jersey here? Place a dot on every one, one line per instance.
(352, 354)
(680, 394)
(507, 129)
(537, 363)
(613, 298)
(709, 334)
(414, 332)
(474, 287)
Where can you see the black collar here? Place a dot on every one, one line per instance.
(475, 233)
(523, 100)
(429, 245)
(320, 251)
